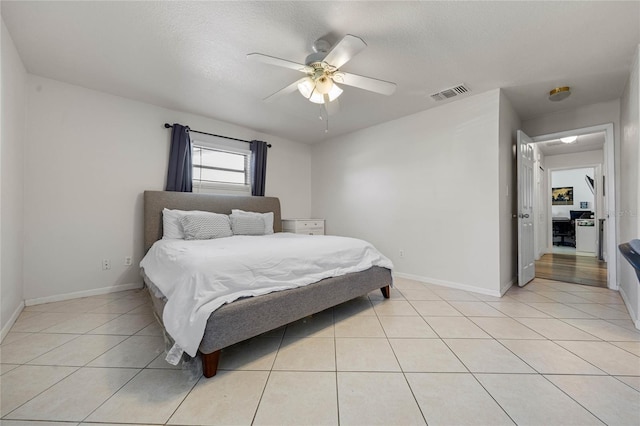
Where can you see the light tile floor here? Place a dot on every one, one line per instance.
(547, 354)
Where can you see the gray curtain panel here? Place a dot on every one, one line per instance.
(258, 167)
(180, 165)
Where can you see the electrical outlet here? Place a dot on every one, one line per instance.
(401, 253)
(106, 264)
(127, 261)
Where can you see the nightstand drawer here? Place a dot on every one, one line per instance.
(303, 226)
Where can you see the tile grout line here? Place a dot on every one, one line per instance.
(266, 382)
(404, 374)
(572, 398)
(112, 395)
(335, 360)
(493, 398)
(4, 417)
(186, 395)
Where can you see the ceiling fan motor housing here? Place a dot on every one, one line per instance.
(315, 57)
(320, 49)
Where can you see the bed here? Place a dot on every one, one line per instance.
(248, 317)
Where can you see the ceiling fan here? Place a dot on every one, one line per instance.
(322, 69)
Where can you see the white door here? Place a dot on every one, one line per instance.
(526, 256)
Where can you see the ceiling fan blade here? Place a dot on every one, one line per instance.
(272, 60)
(366, 83)
(346, 49)
(284, 91)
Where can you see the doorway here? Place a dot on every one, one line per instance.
(564, 260)
(576, 229)
(574, 211)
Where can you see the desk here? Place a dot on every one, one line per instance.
(586, 236)
(564, 230)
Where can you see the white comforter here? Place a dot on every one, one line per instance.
(197, 277)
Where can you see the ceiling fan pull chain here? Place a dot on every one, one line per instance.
(326, 121)
(326, 111)
(324, 116)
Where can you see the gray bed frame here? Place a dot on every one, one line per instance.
(249, 317)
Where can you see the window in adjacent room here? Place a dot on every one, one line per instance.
(220, 168)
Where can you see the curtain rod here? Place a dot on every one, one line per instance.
(168, 126)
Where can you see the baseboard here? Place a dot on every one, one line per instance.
(630, 308)
(12, 320)
(79, 294)
(506, 286)
(450, 284)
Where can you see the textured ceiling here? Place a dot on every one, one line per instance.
(191, 56)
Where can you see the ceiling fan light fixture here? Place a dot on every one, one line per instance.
(559, 93)
(334, 92)
(313, 90)
(324, 84)
(569, 139)
(316, 98)
(306, 87)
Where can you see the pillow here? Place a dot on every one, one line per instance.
(266, 217)
(205, 226)
(247, 225)
(171, 227)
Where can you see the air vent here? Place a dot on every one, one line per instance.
(450, 92)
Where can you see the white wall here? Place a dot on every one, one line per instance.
(586, 116)
(629, 194)
(509, 124)
(89, 156)
(572, 178)
(577, 159)
(426, 184)
(11, 189)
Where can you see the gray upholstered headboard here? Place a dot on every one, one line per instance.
(155, 201)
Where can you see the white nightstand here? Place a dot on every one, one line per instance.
(303, 226)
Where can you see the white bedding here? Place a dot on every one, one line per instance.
(197, 277)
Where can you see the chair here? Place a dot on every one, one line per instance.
(565, 231)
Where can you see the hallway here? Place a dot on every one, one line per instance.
(584, 270)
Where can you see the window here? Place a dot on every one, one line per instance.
(220, 169)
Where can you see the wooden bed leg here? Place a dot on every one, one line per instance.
(210, 363)
(385, 291)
